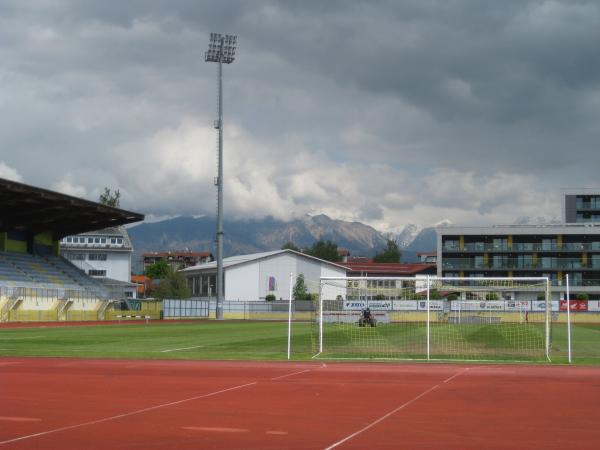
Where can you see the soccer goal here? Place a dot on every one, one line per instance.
(434, 318)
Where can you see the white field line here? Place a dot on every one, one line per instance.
(182, 348)
(12, 338)
(404, 405)
(131, 413)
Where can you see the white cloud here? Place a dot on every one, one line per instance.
(9, 173)
(67, 187)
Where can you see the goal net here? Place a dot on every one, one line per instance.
(433, 318)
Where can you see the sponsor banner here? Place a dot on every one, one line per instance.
(404, 305)
(434, 305)
(478, 305)
(355, 304)
(540, 305)
(517, 305)
(594, 305)
(375, 305)
(574, 305)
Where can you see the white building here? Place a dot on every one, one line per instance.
(254, 276)
(105, 255)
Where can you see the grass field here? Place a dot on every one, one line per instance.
(243, 340)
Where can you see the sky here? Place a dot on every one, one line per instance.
(383, 112)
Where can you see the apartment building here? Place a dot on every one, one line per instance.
(581, 205)
(551, 251)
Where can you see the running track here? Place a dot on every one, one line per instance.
(68, 404)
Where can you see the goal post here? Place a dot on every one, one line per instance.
(475, 318)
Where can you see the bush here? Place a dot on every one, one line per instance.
(582, 296)
(491, 296)
(541, 296)
(379, 297)
(270, 298)
(452, 297)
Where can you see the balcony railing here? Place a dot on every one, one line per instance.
(519, 264)
(525, 247)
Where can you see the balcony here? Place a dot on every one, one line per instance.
(519, 264)
(480, 247)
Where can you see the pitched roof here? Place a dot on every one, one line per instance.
(399, 269)
(243, 259)
(175, 253)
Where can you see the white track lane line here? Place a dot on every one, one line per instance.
(19, 419)
(291, 374)
(404, 405)
(132, 413)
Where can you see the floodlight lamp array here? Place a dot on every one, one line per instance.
(221, 48)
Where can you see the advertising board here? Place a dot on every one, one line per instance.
(574, 305)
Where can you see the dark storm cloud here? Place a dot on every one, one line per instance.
(489, 92)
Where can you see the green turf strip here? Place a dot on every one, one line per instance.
(238, 340)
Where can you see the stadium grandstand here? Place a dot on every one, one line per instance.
(36, 282)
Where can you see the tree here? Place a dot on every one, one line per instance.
(300, 292)
(289, 245)
(159, 270)
(390, 255)
(174, 285)
(109, 198)
(326, 250)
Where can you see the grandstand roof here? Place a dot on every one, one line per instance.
(29, 208)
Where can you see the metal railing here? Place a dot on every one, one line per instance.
(524, 247)
(519, 264)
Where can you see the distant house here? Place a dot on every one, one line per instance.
(105, 255)
(144, 284)
(427, 257)
(373, 269)
(253, 277)
(177, 259)
(344, 254)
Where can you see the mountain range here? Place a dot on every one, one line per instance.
(257, 235)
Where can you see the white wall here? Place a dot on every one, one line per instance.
(250, 281)
(117, 266)
(241, 282)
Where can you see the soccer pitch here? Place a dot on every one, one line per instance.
(237, 340)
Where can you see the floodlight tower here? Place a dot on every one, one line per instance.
(221, 50)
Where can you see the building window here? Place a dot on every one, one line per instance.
(96, 273)
(97, 256)
(500, 244)
(500, 261)
(75, 256)
(103, 240)
(549, 262)
(525, 261)
(548, 244)
(451, 244)
(90, 240)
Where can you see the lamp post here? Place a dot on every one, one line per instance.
(221, 50)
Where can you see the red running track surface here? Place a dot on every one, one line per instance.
(60, 403)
